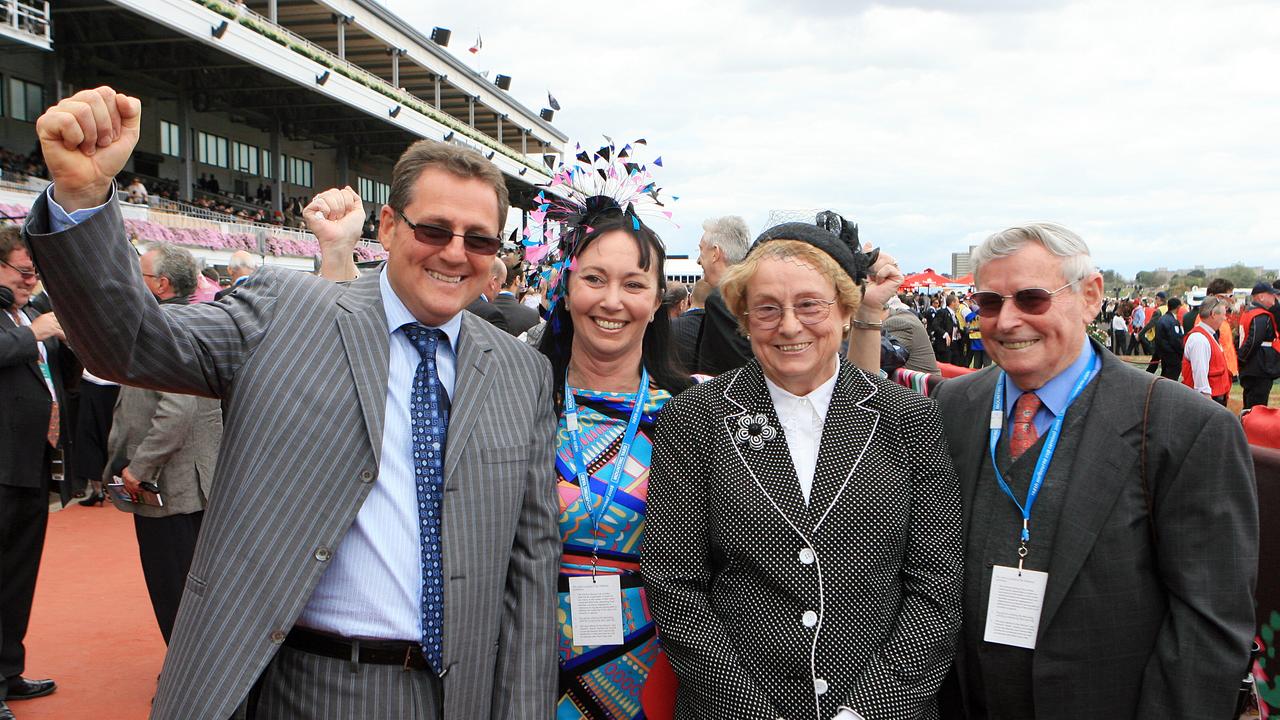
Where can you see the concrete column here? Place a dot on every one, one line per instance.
(437, 92)
(471, 111)
(524, 142)
(395, 68)
(501, 120)
(186, 152)
(344, 164)
(342, 36)
(272, 15)
(277, 170)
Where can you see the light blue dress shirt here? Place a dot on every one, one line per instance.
(373, 586)
(1054, 394)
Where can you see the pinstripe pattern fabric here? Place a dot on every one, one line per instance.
(374, 691)
(303, 365)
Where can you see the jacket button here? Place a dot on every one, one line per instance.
(366, 476)
(806, 556)
(323, 553)
(277, 636)
(820, 686)
(810, 618)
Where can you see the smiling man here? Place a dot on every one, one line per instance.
(1125, 589)
(382, 541)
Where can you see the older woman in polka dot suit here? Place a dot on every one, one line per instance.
(802, 551)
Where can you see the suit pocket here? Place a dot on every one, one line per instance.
(195, 585)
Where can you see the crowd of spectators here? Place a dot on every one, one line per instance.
(15, 163)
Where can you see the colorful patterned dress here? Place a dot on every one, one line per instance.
(605, 682)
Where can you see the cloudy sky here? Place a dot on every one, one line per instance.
(1151, 128)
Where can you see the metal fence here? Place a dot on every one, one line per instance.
(29, 16)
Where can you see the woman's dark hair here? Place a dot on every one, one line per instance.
(657, 356)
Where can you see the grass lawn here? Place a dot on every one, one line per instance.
(1234, 401)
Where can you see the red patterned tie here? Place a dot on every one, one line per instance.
(54, 423)
(1024, 430)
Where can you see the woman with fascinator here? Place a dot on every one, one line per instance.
(612, 368)
(803, 550)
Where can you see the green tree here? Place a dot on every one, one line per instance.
(1197, 273)
(1240, 275)
(1150, 278)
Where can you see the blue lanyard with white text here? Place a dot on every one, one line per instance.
(1046, 453)
(620, 464)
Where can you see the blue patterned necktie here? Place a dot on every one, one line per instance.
(429, 414)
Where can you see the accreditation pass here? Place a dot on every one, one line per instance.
(596, 604)
(1013, 611)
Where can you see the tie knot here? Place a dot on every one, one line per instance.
(423, 338)
(1026, 407)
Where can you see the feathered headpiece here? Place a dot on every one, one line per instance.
(606, 183)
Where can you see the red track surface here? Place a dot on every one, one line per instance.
(92, 628)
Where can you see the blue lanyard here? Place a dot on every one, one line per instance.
(1046, 452)
(619, 463)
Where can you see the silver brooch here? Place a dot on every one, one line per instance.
(755, 431)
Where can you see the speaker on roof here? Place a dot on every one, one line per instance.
(440, 36)
(547, 114)
(503, 82)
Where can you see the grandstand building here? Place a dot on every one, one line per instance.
(252, 107)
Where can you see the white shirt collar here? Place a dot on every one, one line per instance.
(398, 314)
(784, 403)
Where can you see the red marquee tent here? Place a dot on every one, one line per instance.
(926, 279)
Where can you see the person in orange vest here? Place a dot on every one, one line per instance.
(1222, 288)
(1204, 365)
(1259, 361)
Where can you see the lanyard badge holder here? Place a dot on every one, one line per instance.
(1017, 595)
(596, 602)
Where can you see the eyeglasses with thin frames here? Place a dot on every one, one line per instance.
(440, 236)
(26, 273)
(809, 311)
(1032, 301)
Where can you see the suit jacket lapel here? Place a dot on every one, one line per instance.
(470, 391)
(973, 444)
(753, 431)
(367, 344)
(1098, 476)
(50, 346)
(846, 434)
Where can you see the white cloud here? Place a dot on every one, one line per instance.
(1148, 127)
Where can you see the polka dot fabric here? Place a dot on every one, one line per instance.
(429, 414)
(771, 608)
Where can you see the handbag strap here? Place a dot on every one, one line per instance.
(1146, 489)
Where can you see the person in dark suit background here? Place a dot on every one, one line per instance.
(724, 243)
(686, 330)
(482, 306)
(409, 531)
(36, 372)
(1146, 521)
(1169, 336)
(520, 317)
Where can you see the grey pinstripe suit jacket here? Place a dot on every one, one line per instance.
(303, 364)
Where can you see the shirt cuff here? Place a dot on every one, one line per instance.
(847, 714)
(60, 219)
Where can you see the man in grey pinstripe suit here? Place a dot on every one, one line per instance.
(304, 595)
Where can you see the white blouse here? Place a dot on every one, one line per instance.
(802, 419)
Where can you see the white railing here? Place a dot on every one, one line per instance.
(204, 217)
(27, 16)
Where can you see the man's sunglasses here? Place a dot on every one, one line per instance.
(1032, 301)
(440, 236)
(26, 273)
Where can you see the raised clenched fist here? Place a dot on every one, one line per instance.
(86, 140)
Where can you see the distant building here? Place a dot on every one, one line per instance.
(960, 263)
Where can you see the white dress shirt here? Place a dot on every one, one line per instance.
(802, 419)
(1197, 352)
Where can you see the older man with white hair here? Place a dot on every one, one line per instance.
(1111, 518)
(241, 265)
(724, 243)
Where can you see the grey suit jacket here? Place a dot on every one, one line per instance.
(1129, 630)
(168, 439)
(303, 365)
